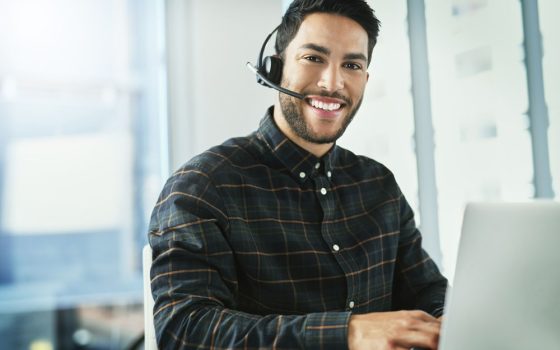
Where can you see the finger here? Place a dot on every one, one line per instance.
(422, 334)
(424, 316)
(423, 326)
(420, 343)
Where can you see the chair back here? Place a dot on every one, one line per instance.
(149, 330)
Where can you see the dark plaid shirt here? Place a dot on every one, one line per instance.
(259, 244)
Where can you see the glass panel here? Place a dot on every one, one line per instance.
(479, 104)
(548, 10)
(384, 127)
(79, 164)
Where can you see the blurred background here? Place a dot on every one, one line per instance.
(100, 100)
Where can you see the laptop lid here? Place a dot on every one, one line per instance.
(506, 290)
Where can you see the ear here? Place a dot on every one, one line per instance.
(367, 76)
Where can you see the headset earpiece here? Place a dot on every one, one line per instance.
(271, 69)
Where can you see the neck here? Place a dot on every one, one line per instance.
(317, 149)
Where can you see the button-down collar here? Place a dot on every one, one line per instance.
(293, 157)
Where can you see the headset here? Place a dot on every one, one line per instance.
(269, 70)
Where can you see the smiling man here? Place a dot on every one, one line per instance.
(282, 239)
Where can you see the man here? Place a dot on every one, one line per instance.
(284, 240)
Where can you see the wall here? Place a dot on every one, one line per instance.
(212, 95)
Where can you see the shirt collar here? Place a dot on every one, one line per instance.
(301, 164)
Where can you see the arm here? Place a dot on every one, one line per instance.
(195, 282)
(419, 290)
(418, 283)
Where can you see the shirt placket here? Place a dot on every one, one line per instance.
(326, 197)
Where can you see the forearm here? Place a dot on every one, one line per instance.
(196, 305)
(218, 327)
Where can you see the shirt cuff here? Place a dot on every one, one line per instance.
(327, 330)
(438, 312)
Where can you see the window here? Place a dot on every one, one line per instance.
(80, 163)
(479, 99)
(551, 75)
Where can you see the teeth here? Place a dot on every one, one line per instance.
(325, 106)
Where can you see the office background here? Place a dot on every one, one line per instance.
(101, 100)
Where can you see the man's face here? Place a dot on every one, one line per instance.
(326, 61)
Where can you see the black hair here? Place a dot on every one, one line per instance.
(357, 10)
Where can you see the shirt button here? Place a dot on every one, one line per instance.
(323, 191)
(302, 175)
(329, 174)
(351, 304)
(317, 166)
(335, 247)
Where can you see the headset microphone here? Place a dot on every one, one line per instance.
(269, 71)
(261, 79)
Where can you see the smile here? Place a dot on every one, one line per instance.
(326, 104)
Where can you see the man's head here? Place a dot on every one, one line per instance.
(357, 10)
(326, 47)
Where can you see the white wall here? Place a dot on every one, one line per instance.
(212, 95)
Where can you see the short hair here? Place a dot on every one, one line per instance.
(357, 10)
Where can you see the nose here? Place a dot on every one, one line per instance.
(331, 79)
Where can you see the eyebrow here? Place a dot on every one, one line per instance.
(326, 51)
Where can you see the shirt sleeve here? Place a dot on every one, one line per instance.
(418, 282)
(194, 280)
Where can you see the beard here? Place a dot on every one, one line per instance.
(293, 114)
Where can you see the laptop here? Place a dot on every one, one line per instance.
(506, 290)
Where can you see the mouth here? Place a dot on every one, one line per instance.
(324, 105)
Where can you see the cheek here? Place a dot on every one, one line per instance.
(301, 77)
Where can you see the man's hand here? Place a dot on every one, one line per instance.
(393, 331)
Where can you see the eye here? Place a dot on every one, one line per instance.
(352, 66)
(313, 59)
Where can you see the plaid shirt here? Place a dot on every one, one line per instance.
(259, 244)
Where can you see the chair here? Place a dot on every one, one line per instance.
(149, 330)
